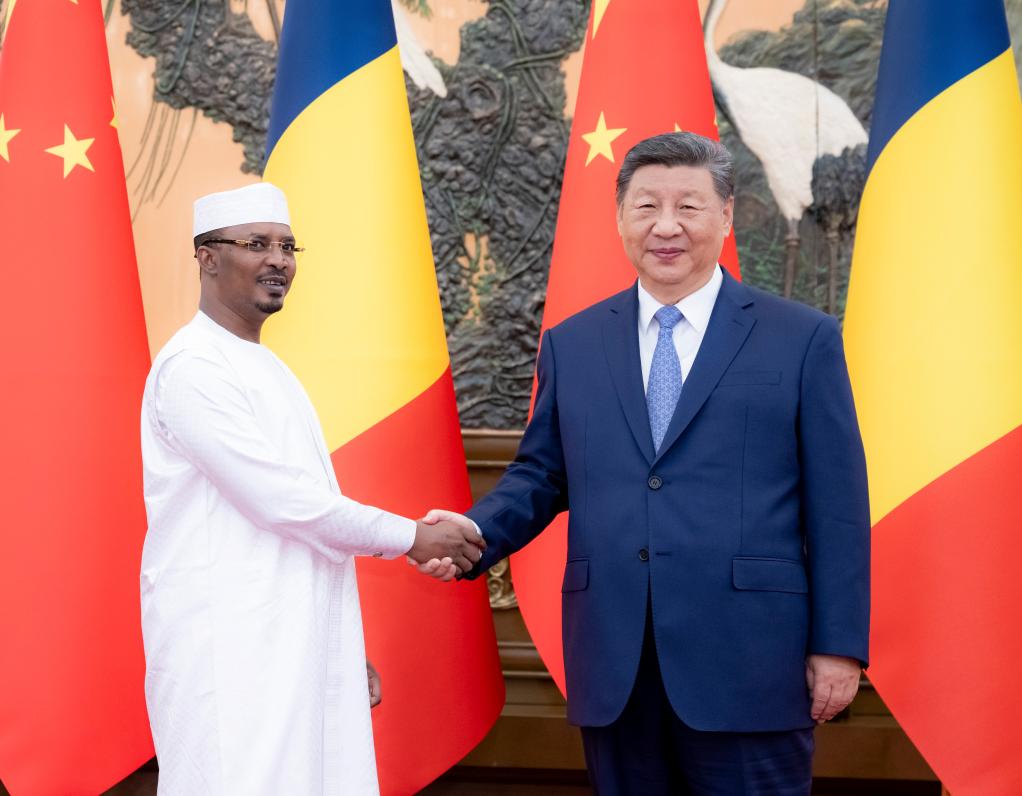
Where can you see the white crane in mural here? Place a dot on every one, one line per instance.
(414, 59)
(787, 121)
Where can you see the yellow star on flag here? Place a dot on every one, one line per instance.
(73, 151)
(677, 129)
(600, 140)
(113, 106)
(5, 138)
(599, 9)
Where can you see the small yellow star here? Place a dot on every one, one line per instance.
(677, 129)
(599, 9)
(600, 140)
(113, 106)
(73, 151)
(5, 138)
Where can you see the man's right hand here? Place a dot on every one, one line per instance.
(446, 539)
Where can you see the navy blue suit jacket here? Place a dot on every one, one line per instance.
(750, 527)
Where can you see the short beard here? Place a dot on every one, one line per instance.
(269, 308)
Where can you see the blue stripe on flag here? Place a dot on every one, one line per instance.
(928, 46)
(322, 42)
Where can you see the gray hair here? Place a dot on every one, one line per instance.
(680, 149)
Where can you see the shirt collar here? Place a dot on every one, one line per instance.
(696, 307)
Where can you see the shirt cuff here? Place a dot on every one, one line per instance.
(396, 536)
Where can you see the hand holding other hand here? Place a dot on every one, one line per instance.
(442, 539)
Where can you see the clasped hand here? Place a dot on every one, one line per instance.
(446, 543)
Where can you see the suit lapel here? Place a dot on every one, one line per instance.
(621, 346)
(728, 328)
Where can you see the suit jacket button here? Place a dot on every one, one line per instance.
(655, 482)
(643, 554)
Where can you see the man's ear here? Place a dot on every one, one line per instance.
(729, 214)
(208, 261)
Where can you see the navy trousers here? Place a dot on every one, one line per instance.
(649, 751)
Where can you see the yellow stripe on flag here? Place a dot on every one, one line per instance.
(934, 332)
(364, 331)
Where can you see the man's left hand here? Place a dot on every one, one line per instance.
(375, 691)
(833, 682)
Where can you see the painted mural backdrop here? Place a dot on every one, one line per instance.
(491, 86)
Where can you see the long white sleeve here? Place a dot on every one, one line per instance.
(206, 416)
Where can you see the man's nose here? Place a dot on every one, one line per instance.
(668, 223)
(275, 257)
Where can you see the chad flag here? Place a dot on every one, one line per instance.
(364, 333)
(644, 73)
(934, 341)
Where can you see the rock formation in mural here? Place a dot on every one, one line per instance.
(209, 59)
(492, 153)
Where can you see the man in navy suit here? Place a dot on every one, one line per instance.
(703, 437)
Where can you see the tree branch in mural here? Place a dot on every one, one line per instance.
(492, 154)
(209, 59)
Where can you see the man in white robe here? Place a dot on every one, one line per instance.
(256, 677)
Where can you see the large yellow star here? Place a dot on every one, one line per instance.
(73, 151)
(600, 140)
(5, 138)
(599, 9)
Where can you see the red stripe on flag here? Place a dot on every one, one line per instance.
(947, 609)
(420, 632)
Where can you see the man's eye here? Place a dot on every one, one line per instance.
(256, 246)
(287, 248)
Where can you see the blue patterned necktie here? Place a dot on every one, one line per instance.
(664, 386)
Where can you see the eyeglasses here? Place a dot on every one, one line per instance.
(287, 247)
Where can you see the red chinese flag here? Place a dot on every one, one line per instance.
(644, 73)
(72, 709)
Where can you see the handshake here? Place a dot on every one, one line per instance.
(446, 544)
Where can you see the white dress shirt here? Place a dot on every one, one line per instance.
(688, 333)
(255, 664)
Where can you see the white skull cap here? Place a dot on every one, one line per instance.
(259, 202)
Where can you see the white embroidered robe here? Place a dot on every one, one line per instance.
(255, 664)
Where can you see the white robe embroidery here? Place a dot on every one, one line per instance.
(255, 664)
